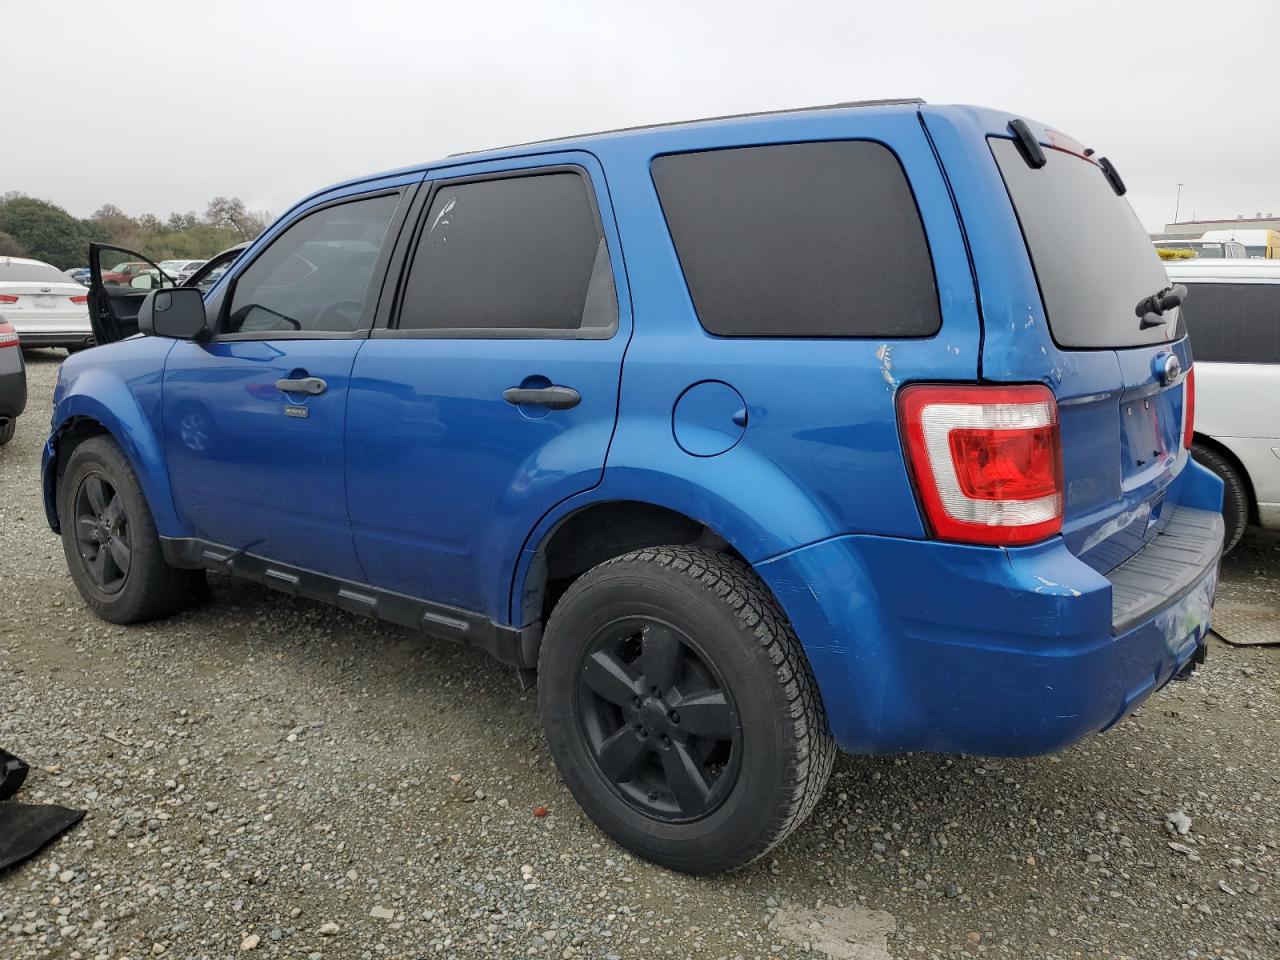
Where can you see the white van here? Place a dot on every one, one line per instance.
(1257, 243)
(1232, 311)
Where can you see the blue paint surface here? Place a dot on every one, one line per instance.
(413, 474)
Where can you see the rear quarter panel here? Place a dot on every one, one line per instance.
(820, 454)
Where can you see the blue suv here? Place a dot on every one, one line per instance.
(864, 425)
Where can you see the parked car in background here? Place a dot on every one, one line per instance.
(180, 270)
(188, 268)
(210, 271)
(1257, 243)
(126, 273)
(1233, 316)
(13, 382)
(46, 307)
(1206, 249)
(777, 484)
(79, 275)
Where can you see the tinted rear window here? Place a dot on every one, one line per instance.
(1092, 259)
(518, 254)
(32, 273)
(800, 240)
(1234, 322)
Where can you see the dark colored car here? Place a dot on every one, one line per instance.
(13, 382)
(865, 425)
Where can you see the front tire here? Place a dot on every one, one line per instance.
(8, 427)
(110, 541)
(1235, 497)
(681, 710)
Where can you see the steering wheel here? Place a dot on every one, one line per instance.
(344, 312)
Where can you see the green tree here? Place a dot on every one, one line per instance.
(10, 247)
(47, 232)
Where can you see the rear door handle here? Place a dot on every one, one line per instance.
(313, 386)
(556, 398)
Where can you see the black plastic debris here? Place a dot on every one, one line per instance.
(26, 828)
(13, 770)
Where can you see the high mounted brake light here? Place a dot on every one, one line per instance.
(986, 461)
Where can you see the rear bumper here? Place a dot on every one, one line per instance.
(55, 338)
(920, 645)
(13, 383)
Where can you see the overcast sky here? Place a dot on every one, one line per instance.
(158, 107)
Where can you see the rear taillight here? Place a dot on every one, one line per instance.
(1189, 408)
(8, 336)
(987, 461)
(8, 298)
(82, 298)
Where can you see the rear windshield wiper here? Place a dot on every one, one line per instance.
(1150, 310)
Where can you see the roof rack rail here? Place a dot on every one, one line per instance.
(680, 123)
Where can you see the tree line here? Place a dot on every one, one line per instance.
(35, 228)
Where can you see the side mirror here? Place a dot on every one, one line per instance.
(177, 313)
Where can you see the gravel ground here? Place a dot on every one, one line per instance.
(268, 776)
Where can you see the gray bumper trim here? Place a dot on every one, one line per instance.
(1163, 571)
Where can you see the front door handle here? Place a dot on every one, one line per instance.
(555, 398)
(313, 386)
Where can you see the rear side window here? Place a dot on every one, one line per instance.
(800, 240)
(1092, 259)
(521, 255)
(1233, 322)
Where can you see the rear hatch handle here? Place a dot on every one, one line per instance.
(1150, 310)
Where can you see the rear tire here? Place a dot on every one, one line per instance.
(1235, 495)
(7, 429)
(709, 723)
(110, 541)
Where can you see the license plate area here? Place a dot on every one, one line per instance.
(1150, 437)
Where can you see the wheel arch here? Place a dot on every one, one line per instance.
(114, 413)
(587, 534)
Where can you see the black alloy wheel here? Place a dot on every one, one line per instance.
(102, 533)
(680, 708)
(658, 720)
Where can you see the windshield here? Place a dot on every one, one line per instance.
(1093, 260)
(13, 270)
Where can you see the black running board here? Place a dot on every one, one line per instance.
(516, 646)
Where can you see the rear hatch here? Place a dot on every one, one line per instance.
(1121, 386)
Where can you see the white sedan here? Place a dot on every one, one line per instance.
(43, 305)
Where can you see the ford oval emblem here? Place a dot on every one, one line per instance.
(1167, 367)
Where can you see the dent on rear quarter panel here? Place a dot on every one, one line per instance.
(118, 386)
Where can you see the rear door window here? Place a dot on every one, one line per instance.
(519, 256)
(1233, 322)
(800, 240)
(1092, 258)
